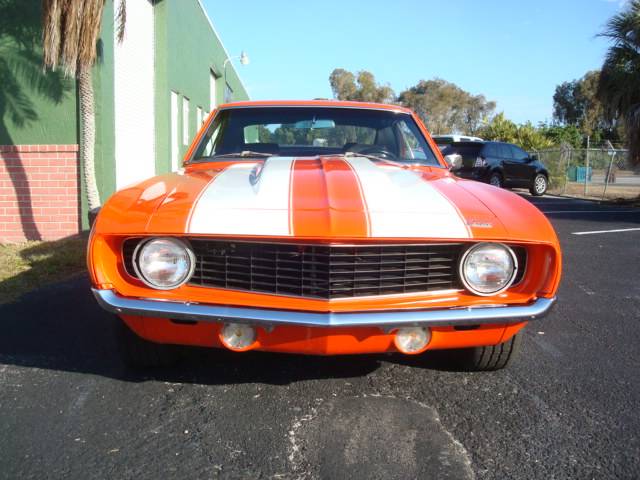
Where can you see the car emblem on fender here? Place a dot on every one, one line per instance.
(479, 224)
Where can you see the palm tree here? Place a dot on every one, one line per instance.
(70, 34)
(619, 86)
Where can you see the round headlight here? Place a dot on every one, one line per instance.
(164, 263)
(488, 268)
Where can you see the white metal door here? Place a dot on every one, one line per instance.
(135, 96)
(175, 148)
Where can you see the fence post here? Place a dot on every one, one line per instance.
(568, 155)
(609, 173)
(586, 170)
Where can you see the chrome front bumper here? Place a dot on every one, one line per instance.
(111, 301)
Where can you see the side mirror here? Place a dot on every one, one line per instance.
(533, 157)
(454, 161)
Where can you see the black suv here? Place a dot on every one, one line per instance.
(500, 164)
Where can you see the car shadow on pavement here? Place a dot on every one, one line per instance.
(62, 328)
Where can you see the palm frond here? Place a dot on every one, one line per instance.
(619, 82)
(51, 32)
(91, 24)
(623, 29)
(70, 33)
(121, 20)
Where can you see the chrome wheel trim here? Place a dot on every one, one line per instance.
(495, 181)
(540, 184)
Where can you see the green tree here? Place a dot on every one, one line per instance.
(499, 128)
(577, 103)
(445, 107)
(360, 88)
(559, 134)
(567, 106)
(593, 119)
(530, 138)
(525, 135)
(619, 83)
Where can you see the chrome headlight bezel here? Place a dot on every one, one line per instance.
(175, 241)
(477, 246)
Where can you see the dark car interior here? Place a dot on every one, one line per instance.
(311, 131)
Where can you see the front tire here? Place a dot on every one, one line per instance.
(138, 353)
(489, 358)
(539, 185)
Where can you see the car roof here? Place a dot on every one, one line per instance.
(316, 103)
(456, 135)
(469, 143)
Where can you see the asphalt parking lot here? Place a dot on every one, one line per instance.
(568, 408)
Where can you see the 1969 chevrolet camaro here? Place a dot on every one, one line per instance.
(325, 228)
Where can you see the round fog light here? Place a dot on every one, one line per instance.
(238, 337)
(412, 340)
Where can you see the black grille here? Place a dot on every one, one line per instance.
(128, 247)
(325, 271)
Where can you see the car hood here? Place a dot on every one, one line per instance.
(324, 198)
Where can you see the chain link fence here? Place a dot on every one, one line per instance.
(597, 173)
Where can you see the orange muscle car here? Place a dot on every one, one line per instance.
(326, 228)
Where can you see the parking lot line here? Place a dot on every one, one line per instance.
(607, 231)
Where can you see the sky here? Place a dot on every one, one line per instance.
(514, 52)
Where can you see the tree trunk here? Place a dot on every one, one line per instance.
(88, 136)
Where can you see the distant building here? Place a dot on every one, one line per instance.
(152, 93)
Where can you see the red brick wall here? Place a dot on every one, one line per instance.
(39, 192)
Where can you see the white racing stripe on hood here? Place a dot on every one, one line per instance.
(239, 203)
(401, 204)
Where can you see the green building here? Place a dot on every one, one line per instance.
(153, 90)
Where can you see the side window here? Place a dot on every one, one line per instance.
(411, 148)
(489, 151)
(209, 148)
(411, 143)
(504, 151)
(519, 155)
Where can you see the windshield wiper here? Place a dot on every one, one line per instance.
(244, 153)
(367, 155)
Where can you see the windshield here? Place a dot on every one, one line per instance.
(311, 131)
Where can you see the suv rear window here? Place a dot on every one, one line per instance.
(463, 150)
